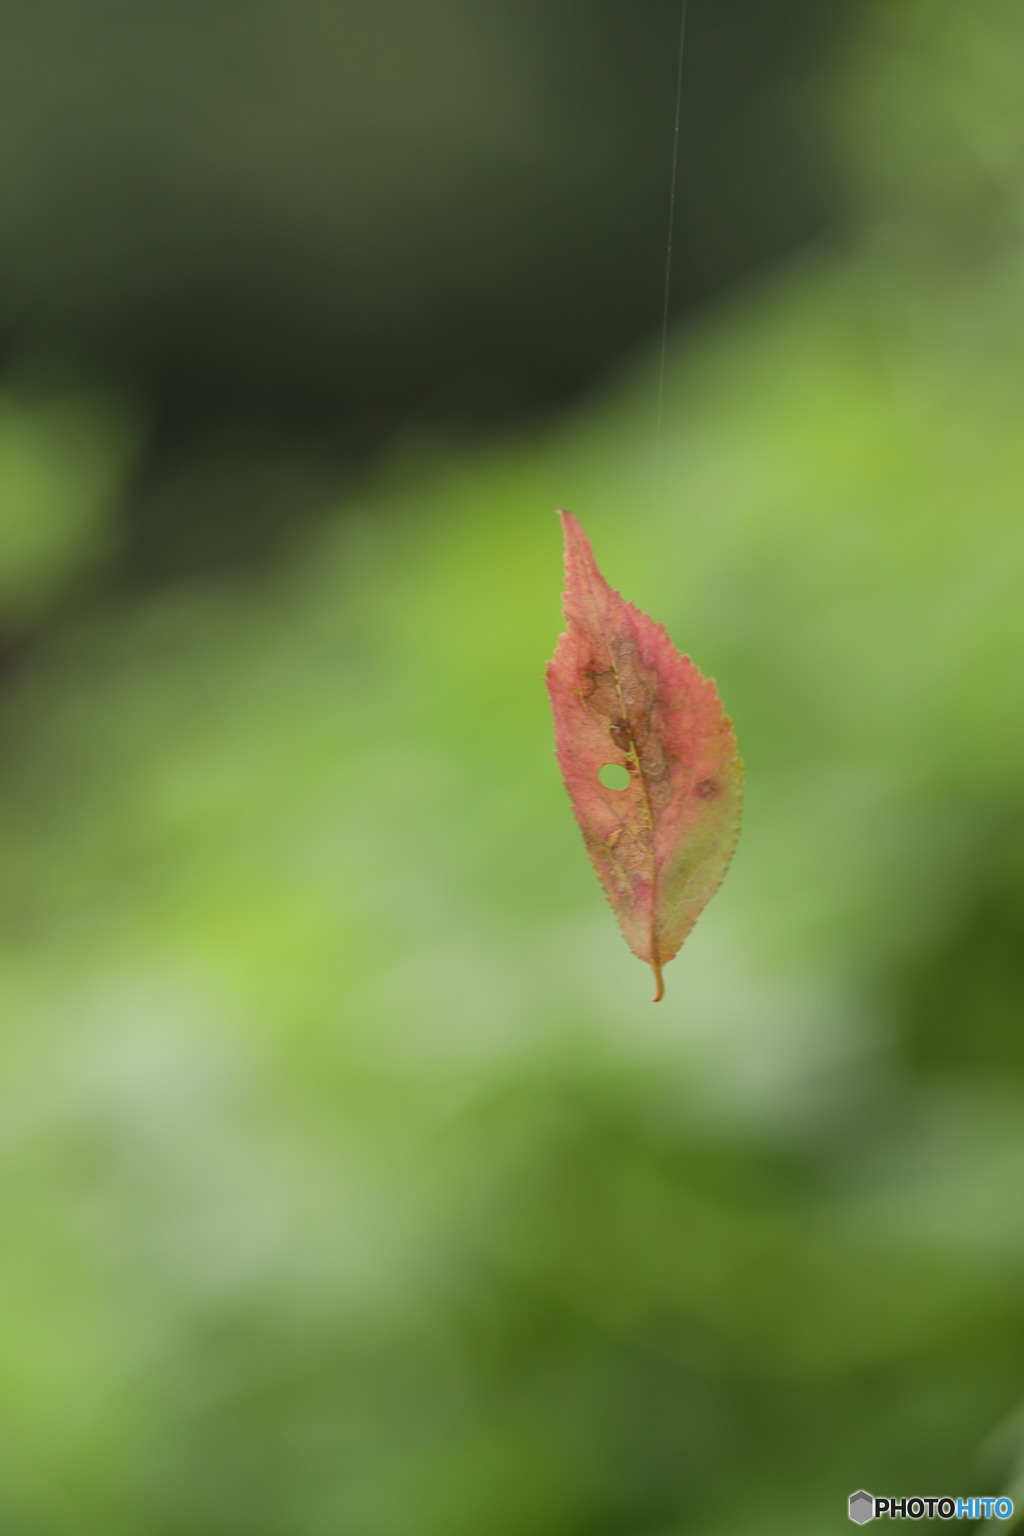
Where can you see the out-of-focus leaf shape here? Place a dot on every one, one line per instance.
(65, 457)
(622, 694)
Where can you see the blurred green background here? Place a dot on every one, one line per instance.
(350, 1184)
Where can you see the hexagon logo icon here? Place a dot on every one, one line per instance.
(862, 1507)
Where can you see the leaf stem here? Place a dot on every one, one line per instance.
(659, 985)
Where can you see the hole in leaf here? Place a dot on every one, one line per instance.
(613, 776)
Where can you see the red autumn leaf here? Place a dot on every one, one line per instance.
(621, 693)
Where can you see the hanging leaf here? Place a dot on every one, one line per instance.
(623, 696)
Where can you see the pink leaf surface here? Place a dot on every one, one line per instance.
(621, 693)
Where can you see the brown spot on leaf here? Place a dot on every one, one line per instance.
(621, 735)
(708, 789)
